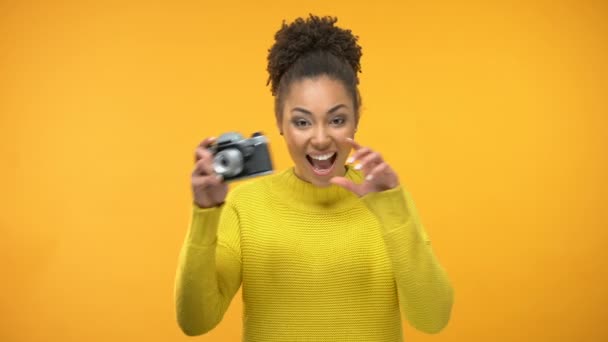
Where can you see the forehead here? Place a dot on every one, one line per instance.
(317, 94)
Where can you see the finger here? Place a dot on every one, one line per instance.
(207, 142)
(360, 153)
(376, 171)
(203, 146)
(345, 183)
(204, 167)
(201, 153)
(370, 161)
(353, 143)
(207, 180)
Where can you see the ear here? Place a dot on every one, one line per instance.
(279, 126)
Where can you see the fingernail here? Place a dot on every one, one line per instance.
(350, 160)
(369, 177)
(358, 167)
(220, 177)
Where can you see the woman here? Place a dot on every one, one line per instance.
(324, 251)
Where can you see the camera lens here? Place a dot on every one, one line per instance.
(228, 162)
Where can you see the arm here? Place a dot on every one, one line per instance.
(209, 269)
(424, 290)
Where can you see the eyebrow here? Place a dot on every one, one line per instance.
(331, 111)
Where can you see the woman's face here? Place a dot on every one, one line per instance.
(318, 116)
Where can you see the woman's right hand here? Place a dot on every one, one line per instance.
(208, 188)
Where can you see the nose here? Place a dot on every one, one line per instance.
(321, 140)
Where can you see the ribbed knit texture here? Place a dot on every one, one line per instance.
(316, 264)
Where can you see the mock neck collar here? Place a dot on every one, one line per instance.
(304, 196)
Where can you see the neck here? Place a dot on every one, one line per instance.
(305, 196)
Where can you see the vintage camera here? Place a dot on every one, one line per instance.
(235, 157)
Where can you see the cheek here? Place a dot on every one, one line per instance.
(294, 141)
(345, 150)
(346, 147)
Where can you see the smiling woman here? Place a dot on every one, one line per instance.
(318, 117)
(324, 251)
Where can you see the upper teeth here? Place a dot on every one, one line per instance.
(323, 156)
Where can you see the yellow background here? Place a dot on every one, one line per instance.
(494, 115)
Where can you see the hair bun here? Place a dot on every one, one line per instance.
(309, 35)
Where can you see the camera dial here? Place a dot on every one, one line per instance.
(228, 162)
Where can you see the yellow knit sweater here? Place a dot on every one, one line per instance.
(316, 264)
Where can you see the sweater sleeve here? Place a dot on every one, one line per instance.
(424, 290)
(209, 269)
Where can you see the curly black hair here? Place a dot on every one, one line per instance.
(312, 47)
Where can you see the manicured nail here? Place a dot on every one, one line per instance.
(369, 177)
(350, 160)
(358, 167)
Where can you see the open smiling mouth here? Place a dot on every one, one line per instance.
(322, 164)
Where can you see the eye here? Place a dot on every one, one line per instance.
(300, 123)
(338, 121)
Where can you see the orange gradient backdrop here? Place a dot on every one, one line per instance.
(494, 115)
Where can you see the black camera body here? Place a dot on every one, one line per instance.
(236, 158)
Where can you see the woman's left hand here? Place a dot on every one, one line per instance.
(379, 176)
